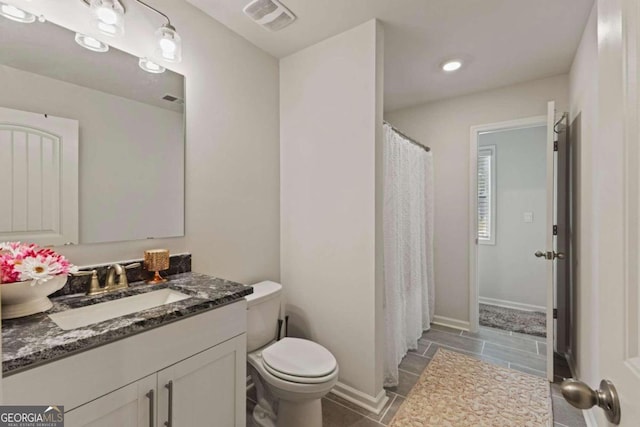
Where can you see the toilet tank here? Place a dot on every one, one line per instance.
(263, 311)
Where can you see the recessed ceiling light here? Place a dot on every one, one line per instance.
(15, 14)
(91, 43)
(150, 66)
(452, 65)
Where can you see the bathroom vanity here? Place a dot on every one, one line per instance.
(181, 363)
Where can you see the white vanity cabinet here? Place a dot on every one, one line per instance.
(190, 372)
(199, 391)
(129, 406)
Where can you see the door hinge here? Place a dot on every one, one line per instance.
(555, 313)
(555, 145)
(555, 230)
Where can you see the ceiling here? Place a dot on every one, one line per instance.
(50, 50)
(501, 42)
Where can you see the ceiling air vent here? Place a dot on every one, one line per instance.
(271, 14)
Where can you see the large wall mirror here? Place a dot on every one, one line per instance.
(130, 140)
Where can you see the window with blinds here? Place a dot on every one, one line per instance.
(486, 194)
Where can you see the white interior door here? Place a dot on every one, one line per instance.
(549, 251)
(39, 160)
(616, 160)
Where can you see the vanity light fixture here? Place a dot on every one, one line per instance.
(150, 66)
(108, 16)
(453, 65)
(168, 41)
(91, 43)
(16, 14)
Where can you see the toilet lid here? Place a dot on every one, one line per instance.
(299, 358)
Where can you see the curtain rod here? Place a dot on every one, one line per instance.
(411, 140)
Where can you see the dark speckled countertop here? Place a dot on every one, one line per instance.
(36, 339)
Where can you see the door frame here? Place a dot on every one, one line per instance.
(475, 131)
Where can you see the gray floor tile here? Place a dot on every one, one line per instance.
(522, 358)
(496, 330)
(455, 341)
(414, 363)
(531, 337)
(504, 339)
(555, 389)
(406, 382)
(336, 415)
(535, 372)
(542, 348)
(422, 347)
(434, 348)
(391, 412)
(566, 414)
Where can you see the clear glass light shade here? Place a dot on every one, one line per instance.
(150, 66)
(108, 16)
(16, 14)
(169, 44)
(91, 43)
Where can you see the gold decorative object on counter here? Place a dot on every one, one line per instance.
(156, 260)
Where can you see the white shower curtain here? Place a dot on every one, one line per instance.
(408, 247)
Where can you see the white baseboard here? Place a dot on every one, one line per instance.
(352, 395)
(363, 400)
(511, 304)
(452, 323)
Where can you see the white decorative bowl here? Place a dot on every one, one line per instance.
(22, 299)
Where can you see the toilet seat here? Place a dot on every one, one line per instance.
(298, 360)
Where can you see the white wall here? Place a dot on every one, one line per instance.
(330, 127)
(115, 203)
(232, 154)
(444, 126)
(584, 118)
(508, 272)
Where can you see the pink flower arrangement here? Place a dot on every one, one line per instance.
(21, 262)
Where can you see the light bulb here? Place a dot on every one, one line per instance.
(150, 66)
(108, 16)
(107, 28)
(91, 43)
(15, 14)
(169, 44)
(452, 65)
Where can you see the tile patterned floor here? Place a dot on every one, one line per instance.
(516, 351)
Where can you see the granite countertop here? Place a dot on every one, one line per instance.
(36, 339)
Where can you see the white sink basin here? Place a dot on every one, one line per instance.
(83, 316)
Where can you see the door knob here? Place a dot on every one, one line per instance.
(559, 255)
(541, 254)
(582, 396)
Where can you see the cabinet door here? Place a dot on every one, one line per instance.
(129, 406)
(208, 389)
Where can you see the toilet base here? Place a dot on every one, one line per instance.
(301, 413)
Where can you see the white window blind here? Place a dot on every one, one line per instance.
(486, 194)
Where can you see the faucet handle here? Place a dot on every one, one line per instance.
(123, 281)
(94, 286)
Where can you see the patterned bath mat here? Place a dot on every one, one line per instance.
(509, 319)
(459, 391)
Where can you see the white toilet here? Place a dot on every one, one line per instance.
(297, 372)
